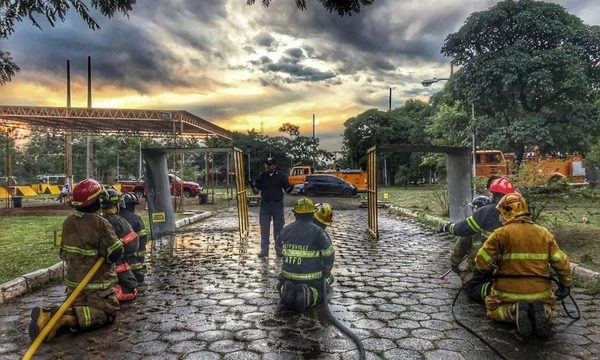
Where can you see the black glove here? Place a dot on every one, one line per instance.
(444, 228)
(562, 292)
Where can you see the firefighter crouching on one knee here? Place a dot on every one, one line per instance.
(322, 218)
(127, 211)
(86, 237)
(473, 231)
(127, 287)
(307, 259)
(522, 253)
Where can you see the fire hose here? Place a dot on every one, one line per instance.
(472, 332)
(339, 325)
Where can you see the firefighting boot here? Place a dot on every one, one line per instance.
(541, 319)
(288, 294)
(302, 301)
(519, 312)
(40, 317)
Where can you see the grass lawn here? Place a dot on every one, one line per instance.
(562, 214)
(26, 244)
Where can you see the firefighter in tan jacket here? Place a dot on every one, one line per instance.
(522, 253)
(86, 238)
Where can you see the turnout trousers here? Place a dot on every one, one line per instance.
(95, 308)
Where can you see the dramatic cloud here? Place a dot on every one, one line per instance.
(240, 65)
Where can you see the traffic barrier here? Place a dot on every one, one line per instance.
(4, 193)
(51, 189)
(25, 190)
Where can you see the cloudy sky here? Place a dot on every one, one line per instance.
(240, 66)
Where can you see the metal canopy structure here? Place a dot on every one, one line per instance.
(110, 121)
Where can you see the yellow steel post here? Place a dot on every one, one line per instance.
(372, 192)
(64, 307)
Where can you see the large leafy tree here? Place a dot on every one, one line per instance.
(530, 68)
(53, 11)
(342, 7)
(404, 125)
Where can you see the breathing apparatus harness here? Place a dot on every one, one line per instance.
(472, 332)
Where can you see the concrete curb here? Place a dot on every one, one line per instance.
(579, 272)
(35, 279)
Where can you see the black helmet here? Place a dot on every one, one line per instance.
(479, 201)
(130, 198)
(109, 199)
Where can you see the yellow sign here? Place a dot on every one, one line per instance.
(58, 238)
(386, 196)
(159, 217)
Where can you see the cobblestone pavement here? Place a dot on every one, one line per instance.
(212, 298)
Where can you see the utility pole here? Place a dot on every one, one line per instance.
(473, 146)
(390, 106)
(140, 161)
(313, 126)
(68, 136)
(89, 165)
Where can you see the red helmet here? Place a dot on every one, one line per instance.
(86, 192)
(502, 185)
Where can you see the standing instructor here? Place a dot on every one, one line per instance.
(270, 184)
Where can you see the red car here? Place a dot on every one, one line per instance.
(190, 189)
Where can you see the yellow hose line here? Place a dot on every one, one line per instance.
(64, 307)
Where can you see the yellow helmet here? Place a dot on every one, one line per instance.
(324, 213)
(304, 205)
(512, 205)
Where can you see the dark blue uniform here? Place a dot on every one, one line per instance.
(136, 260)
(271, 188)
(307, 259)
(474, 230)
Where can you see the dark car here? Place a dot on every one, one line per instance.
(327, 185)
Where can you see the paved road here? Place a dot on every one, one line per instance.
(212, 298)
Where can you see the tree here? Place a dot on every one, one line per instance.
(53, 11)
(404, 125)
(290, 129)
(342, 7)
(530, 69)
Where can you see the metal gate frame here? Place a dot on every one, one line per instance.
(165, 208)
(372, 191)
(458, 165)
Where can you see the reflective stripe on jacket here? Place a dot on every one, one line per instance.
(86, 238)
(307, 252)
(521, 248)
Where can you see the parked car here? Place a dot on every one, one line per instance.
(327, 185)
(190, 189)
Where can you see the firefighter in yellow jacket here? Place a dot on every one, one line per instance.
(86, 237)
(522, 253)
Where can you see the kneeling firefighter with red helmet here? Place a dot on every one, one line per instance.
(86, 237)
(307, 259)
(522, 253)
(473, 231)
(127, 287)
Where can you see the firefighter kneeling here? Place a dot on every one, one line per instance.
(523, 253)
(86, 237)
(126, 288)
(307, 258)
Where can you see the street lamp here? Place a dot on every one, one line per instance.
(427, 83)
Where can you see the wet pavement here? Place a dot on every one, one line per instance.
(212, 298)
